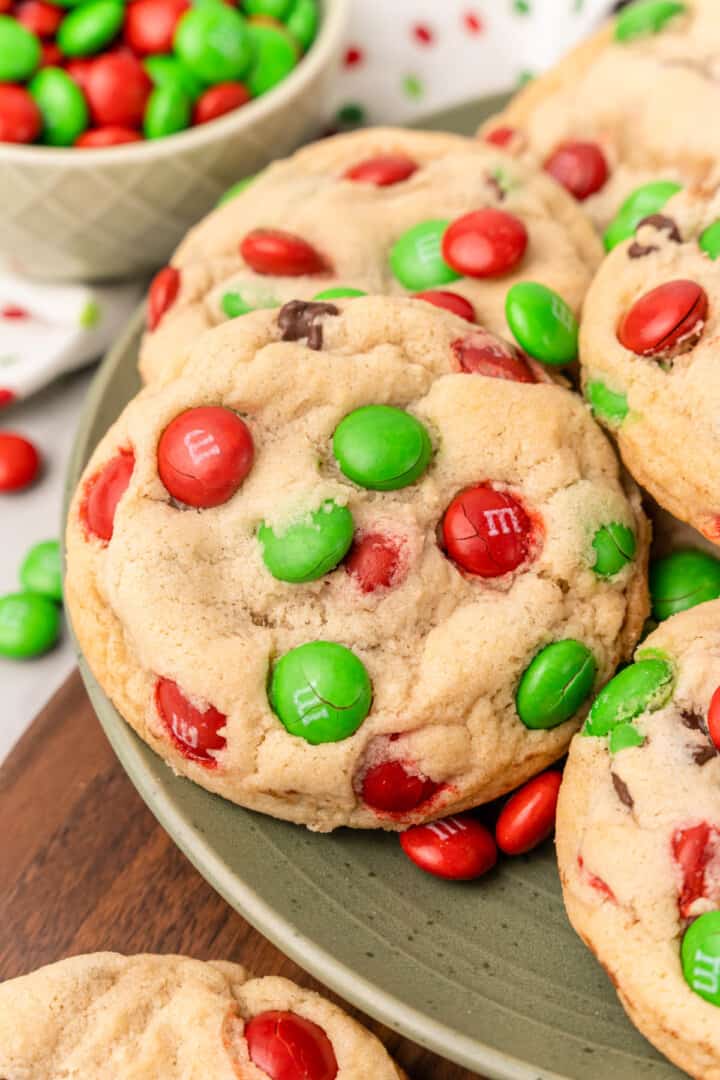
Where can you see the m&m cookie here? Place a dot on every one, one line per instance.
(361, 564)
(431, 215)
(618, 122)
(638, 837)
(648, 355)
(104, 1014)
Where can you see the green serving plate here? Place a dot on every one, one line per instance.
(488, 974)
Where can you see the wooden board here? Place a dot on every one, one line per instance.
(85, 867)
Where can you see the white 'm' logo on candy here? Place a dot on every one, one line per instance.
(502, 521)
(445, 829)
(706, 973)
(308, 706)
(428, 248)
(201, 445)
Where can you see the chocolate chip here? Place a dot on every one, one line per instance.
(662, 223)
(303, 319)
(695, 721)
(702, 754)
(622, 791)
(494, 183)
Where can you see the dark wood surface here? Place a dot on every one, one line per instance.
(85, 867)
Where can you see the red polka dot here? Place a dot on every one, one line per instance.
(473, 23)
(14, 311)
(353, 56)
(6, 397)
(423, 34)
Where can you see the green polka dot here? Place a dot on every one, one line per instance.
(413, 87)
(90, 315)
(350, 114)
(607, 405)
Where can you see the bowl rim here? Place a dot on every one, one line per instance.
(332, 24)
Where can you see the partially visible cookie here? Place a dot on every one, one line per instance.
(624, 110)
(648, 349)
(109, 1017)
(368, 211)
(335, 576)
(638, 837)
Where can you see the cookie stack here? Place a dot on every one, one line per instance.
(359, 554)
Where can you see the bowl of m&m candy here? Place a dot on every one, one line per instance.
(123, 121)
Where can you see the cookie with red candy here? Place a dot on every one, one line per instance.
(172, 1016)
(448, 220)
(360, 564)
(648, 354)
(617, 120)
(638, 837)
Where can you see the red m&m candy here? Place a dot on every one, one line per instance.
(286, 1046)
(692, 849)
(194, 731)
(104, 491)
(528, 816)
(664, 318)
(393, 788)
(150, 25)
(271, 251)
(500, 136)
(713, 718)
(482, 354)
(19, 462)
(40, 18)
(456, 848)
(486, 532)
(383, 170)
(20, 120)
(117, 88)
(106, 136)
(218, 100)
(450, 301)
(162, 294)
(204, 455)
(78, 68)
(50, 55)
(374, 562)
(580, 167)
(484, 243)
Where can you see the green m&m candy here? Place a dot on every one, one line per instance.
(615, 546)
(89, 27)
(642, 687)
(608, 405)
(310, 548)
(167, 111)
(29, 624)
(302, 21)
(700, 956)
(555, 684)
(338, 293)
(320, 692)
(644, 201)
(646, 17)
(235, 189)
(19, 51)
(624, 737)
(542, 323)
(62, 105)
(234, 303)
(710, 240)
(416, 257)
(169, 71)
(682, 580)
(381, 447)
(214, 42)
(275, 54)
(41, 571)
(276, 9)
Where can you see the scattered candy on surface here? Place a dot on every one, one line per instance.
(320, 692)
(41, 570)
(487, 532)
(542, 323)
(19, 462)
(29, 625)
(455, 848)
(528, 817)
(204, 455)
(381, 447)
(641, 687)
(103, 493)
(555, 684)
(92, 65)
(681, 580)
(667, 319)
(286, 1046)
(310, 548)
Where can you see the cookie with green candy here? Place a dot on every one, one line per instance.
(649, 71)
(647, 352)
(638, 836)
(360, 564)
(441, 218)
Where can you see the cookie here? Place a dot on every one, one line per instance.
(622, 113)
(638, 837)
(109, 1017)
(334, 577)
(369, 212)
(648, 355)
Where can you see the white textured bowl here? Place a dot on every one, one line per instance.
(69, 215)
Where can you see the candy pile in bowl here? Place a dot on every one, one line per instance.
(99, 73)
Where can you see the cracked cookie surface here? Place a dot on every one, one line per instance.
(507, 533)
